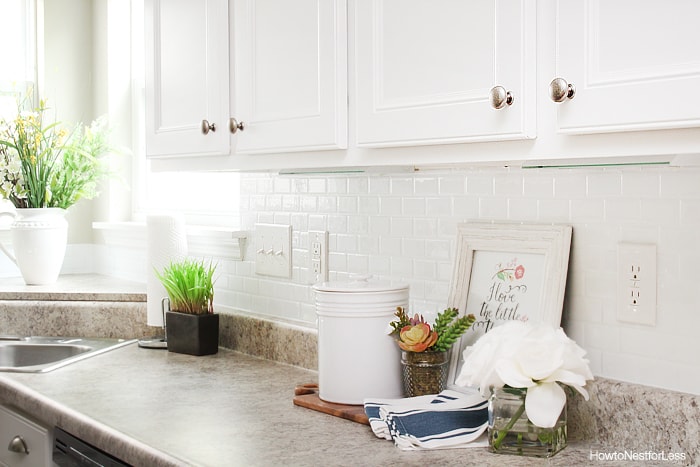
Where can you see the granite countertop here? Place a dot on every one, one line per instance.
(156, 408)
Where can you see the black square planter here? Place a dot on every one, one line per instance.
(192, 334)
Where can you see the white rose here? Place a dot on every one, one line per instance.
(535, 357)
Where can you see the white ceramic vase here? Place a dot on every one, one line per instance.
(39, 237)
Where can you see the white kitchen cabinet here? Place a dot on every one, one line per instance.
(290, 75)
(187, 77)
(22, 441)
(634, 65)
(421, 73)
(424, 71)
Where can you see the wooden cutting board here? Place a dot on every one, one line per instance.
(306, 395)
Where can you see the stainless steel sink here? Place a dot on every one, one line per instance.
(43, 354)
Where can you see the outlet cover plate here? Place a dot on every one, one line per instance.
(636, 283)
(318, 256)
(273, 250)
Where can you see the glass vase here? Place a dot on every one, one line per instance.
(511, 432)
(424, 372)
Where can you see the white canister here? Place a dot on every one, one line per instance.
(357, 358)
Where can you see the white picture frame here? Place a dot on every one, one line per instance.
(506, 271)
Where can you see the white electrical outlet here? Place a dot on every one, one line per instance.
(318, 256)
(273, 250)
(636, 283)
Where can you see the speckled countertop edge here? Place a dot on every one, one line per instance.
(21, 397)
(75, 287)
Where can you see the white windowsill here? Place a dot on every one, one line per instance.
(221, 242)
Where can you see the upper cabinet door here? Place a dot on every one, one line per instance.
(290, 75)
(187, 77)
(425, 71)
(634, 65)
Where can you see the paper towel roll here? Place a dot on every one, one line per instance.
(166, 242)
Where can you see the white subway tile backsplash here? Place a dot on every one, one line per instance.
(465, 208)
(337, 185)
(553, 210)
(317, 185)
(493, 208)
(452, 185)
(380, 265)
(391, 246)
(368, 205)
(538, 186)
(425, 227)
(379, 185)
(347, 204)
(337, 223)
(309, 203)
(413, 207)
(403, 227)
(678, 183)
(402, 267)
(623, 210)
(438, 207)
(345, 243)
(358, 264)
(570, 184)
(522, 209)
(480, 184)
(402, 186)
(282, 185)
(509, 185)
(600, 336)
(379, 226)
(587, 210)
(317, 222)
(604, 184)
(290, 203)
(358, 185)
(663, 211)
(640, 184)
(390, 206)
(368, 244)
(413, 247)
(690, 212)
(426, 186)
(424, 269)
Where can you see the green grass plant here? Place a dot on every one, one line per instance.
(190, 286)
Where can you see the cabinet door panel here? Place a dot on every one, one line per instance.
(186, 51)
(424, 70)
(635, 64)
(290, 75)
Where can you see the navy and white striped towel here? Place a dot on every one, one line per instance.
(450, 419)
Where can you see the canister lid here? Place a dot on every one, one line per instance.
(359, 284)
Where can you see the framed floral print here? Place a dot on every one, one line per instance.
(507, 272)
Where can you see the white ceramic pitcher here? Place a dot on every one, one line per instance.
(39, 237)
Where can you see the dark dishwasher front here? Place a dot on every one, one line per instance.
(69, 451)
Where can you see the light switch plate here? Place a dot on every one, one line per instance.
(273, 250)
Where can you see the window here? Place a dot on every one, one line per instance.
(18, 72)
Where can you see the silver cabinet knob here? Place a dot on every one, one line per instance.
(207, 127)
(234, 125)
(560, 90)
(17, 444)
(499, 97)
